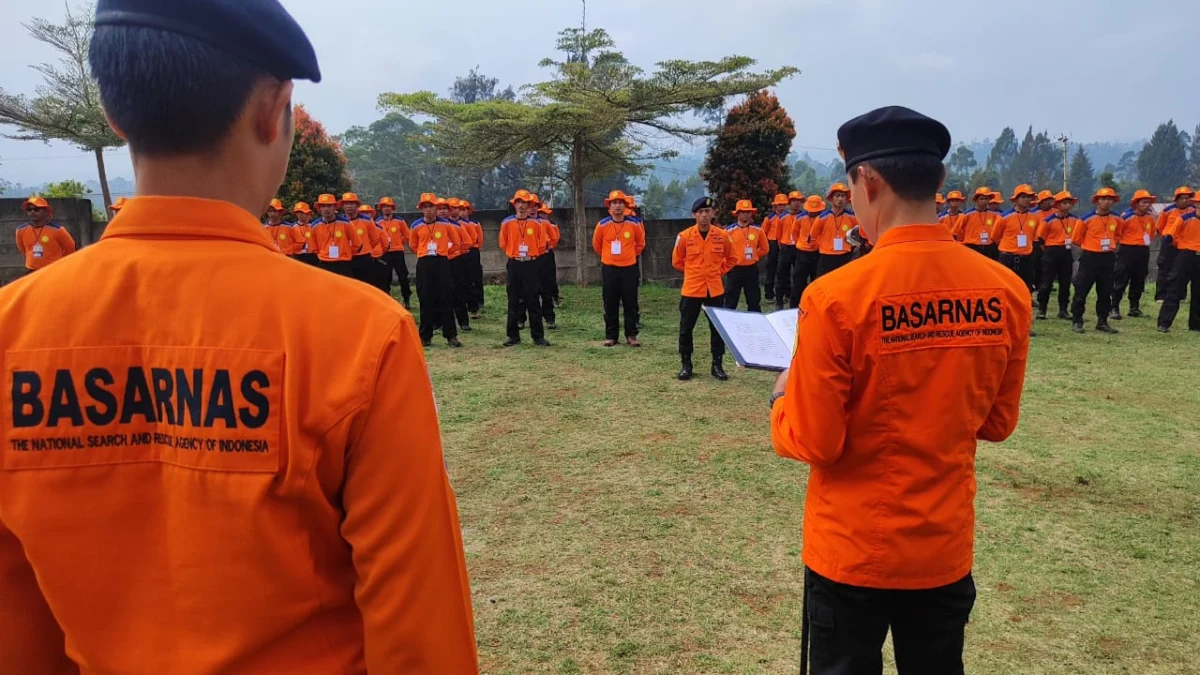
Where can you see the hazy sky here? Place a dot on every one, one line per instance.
(1094, 69)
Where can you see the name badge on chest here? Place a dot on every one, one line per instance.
(615, 248)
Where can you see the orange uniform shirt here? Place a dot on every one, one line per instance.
(1137, 230)
(43, 245)
(336, 241)
(186, 492)
(1098, 234)
(367, 236)
(303, 235)
(1165, 216)
(1057, 230)
(787, 228)
(830, 232)
(397, 232)
(1173, 220)
(975, 227)
(1187, 233)
(771, 225)
(466, 237)
(284, 236)
(477, 231)
(553, 234)
(703, 259)
(1016, 231)
(804, 235)
(749, 244)
(522, 239)
(952, 221)
(433, 239)
(903, 360)
(619, 244)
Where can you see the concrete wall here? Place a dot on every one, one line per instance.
(73, 214)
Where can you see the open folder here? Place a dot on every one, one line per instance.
(761, 341)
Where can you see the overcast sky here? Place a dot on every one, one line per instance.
(1094, 69)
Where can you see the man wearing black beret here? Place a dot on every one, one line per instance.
(704, 254)
(251, 479)
(904, 359)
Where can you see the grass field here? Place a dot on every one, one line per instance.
(619, 521)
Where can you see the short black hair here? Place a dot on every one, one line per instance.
(168, 93)
(914, 178)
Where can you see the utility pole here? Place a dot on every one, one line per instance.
(1066, 143)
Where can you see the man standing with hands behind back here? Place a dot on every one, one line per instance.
(904, 360)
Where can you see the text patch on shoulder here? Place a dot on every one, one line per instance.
(204, 408)
(942, 319)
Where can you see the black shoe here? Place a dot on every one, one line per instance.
(1164, 329)
(464, 329)
(453, 342)
(1115, 315)
(511, 342)
(685, 373)
(542, 343)
(1135, 313)
(718, 371)
(550, 325)
(1105, 328)
(1077, 326)
(426, 343)
(1062, 314)
(1041, 315)
(521, 326)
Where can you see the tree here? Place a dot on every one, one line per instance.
(1194, 179)
(317, 164)
(804, 178)
(1162, 164)
(67, 107)
(1126, 168)
(1004, 152)
(1107, 179)
(597, 116)
(748, 158)
(671, 200)
(390, 158)
(475, 87)
(1082, 180)
(962, 162)
(67, 189)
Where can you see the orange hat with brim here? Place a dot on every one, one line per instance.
(939, 198)
(631, 201)
(367, 208)
(350, 198)
(1184, 191)
(780, 200)
(982, 192)
(1044, 195)
(386, 201)
(442, 201)
(275, 205)
(1065, 196)
(302, 207)
(744, 205)
(795, 195)
(1105, 192)
(616, 196)
(467, 205)
(545, 209)
(1140, 195)
(1022, 190)
(527, 197)
(427, 198)
(119, 204)
(37, 202)
(535, 199)
(955, 196)
(814, 204)
(327, 200)
(837, 187)
(996, 198)
(454, 203)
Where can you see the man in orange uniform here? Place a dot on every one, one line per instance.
(1133, 254)
(476, 257)
(334, 236)
(704, 254)
(279, 231)
(460, 264)
(397, 233)
(953, 213)
(432, 238)
(41, 240)
(749, 242)
(254, 478)
(831, 229)
(548, 282)
(1014, 234)
(1058, 260)
(787, 249)
(940, 202)
(521, 237)
(1043, 209)
(770, 227)
(808, 255)
(619, 241)
(919, 335)
(1184, 196)
(364, 238)
(975, 227)
(1096, 235)
(1185, 237)
(303, 232)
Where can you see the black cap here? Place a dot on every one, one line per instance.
(890, 132)
(703, 203)
(259, 31)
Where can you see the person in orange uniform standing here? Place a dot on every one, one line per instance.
(521, 237)
(334, 237)
(1058, 259)
(475, 255)
(548, 282)
(302, 231)
(619, 241)
(279, 231)
(460, 265)
(432, 238)
(749, 242)
(1014, 233)
(42, 241)
(808, 255)
(1096, 235)
(919, 335)
(704, 253)
(787, 249)
(975, 227)
(1133, 254)
(365, 238)
(254, 478)
(397, 233)
(1183, 198)
(1185, 237)
(770, 227)
(831, 229)
(953, 213)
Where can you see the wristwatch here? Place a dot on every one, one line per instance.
(775, 397)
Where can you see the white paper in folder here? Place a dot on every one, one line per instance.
(762, 341)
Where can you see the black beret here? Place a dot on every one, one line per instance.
(889, 132)
(703, 203)
(259, 31)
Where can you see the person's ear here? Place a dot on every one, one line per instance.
(271, 103)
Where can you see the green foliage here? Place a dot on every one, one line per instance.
(1163, 164)
(671, 200)
(959, 169)
(1004, 152)
(804, 178)
(67, 189)
(1082, 178)
(316, 165)
(748, 159)
(1194, 178)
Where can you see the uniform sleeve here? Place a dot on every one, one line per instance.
(731, 259)
(376, 235)
(413, 239)
(20, 243)
(818, 228)
(320, 236)
(1043, 228)
(1006, 409)
(455, 237)
(66, 241)
(598, 240)
(639, 240)
(402, 525)
(809, 422)
(763, 246)
(31, 642)
(679, 253)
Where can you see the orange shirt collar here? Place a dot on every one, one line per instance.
(187, 217)
(906, 234)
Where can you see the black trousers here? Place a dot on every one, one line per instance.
(772, 266)
(523, 288)
(1022, 265)
(434, 285)
(828, 263)
(342, 268)
(1166, 267)
(985, 250)
(1186, 271)
(619, 287)
(783, 273)
(547, 284)
(743, 278)
(552, 279)
(308, 259)
(1131, 270)
(462, 298)
(362, 267)
(1095, 269)
(1057, 264)
(849, 624)
(396, 263)
(804, 272)
(1038, 254)
(690, 310)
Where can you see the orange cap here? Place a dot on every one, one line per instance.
(36, 202)
(275, 205)
(535, 199)
(1105, 192)
(1023, 189)
(955, 195)
(427, 198)
(525, 196)
(744, 205)
(1184, 191)
(350, 198)
(386, 201)
(795, 195)
(616, 196)
(442, 201)
(837, 187)
(982, 192)
(545, 209)
(454, 203)
(631, 201)
(119, 204)
(367, 208)
(467, 205)
(780, 200)
(814, 204)
(302, 207)
(1065, 196)
(996, 198)
(1044, 195)
(327, 200)
(1142, 194)
(939, 198)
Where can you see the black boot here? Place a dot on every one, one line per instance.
(685, 373)
(1062, 314)
(1077, 326)
(1103, 327)
(1135, 312)
(1115, 314)
(1041, 315)
(718, 371)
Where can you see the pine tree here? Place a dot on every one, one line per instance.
(1003, 154)
(1194, 179)
(748, 158)
(317, 164)
(1082, 180)
(1163, 164)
